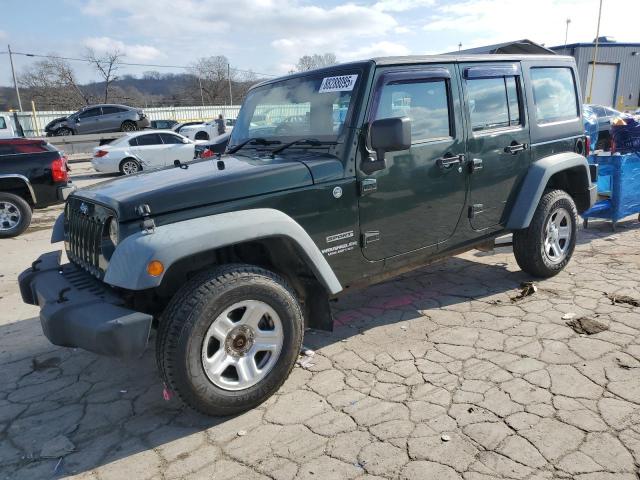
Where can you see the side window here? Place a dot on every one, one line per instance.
(493, 102)
(92, 112)
(110, 110)
(167, 138)
(153, 139)
(3, 124)
(554, 94)
(426, 103)
(134, 142)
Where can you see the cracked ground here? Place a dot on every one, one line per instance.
(442, 374)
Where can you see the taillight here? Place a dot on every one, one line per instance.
(100, 153)
(59, 171)
(587, 146)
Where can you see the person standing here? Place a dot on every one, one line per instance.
(220, 123)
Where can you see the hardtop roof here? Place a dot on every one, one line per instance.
(422, 59)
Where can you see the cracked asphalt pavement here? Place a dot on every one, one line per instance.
(443, 374)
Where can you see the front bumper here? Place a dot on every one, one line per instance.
(77, 310)
(143, 123)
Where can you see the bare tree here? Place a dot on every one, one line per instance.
(53, 83)
(107, 65)
(211, 77)
(310, 62)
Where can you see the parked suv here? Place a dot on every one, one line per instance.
(99, 119)
(234, 257)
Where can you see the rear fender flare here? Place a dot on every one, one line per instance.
(171, 243)
(535, 182)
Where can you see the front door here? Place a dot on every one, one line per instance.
(87, 121)
(498, 143)
(416, 201)
(151, 151)
(176, 149)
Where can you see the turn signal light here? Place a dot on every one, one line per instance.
(155, 268)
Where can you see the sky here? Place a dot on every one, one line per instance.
(268, 36)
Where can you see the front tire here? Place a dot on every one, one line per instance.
(229, 339)
(63, 132)
(546, 246)
(15, 215)
(202, 136)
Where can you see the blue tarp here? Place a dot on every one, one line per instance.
(590, 120)
(618, 178)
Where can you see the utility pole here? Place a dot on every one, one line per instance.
(201, 95)
(15, 83)
(595, 55)
(566, 35)
(229, 78)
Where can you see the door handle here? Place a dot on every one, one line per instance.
(448, 162)
(515, 148)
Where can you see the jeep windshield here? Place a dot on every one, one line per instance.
(311, 107)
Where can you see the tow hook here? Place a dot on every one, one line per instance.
(61, 297)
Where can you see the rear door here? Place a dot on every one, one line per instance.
(416, 201)
(151, 151)
(498, 144)
(176, 149)
(112, 118)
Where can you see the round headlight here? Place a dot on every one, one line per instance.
(113, 231)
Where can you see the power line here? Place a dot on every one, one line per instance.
(74, 59)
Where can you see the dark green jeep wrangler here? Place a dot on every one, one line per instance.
(333, 179)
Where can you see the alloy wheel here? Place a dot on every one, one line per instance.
(558, 233)
(10, 216)
(242, 345)
(130, 167)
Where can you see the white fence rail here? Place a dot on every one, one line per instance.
(33, 123)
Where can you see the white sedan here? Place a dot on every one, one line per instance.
(206, 131)
(143, 150)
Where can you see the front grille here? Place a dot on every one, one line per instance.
(85, 226)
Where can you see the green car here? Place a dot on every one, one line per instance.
(334, 179)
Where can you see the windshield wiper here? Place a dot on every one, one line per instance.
(305, 141)
(254, 141)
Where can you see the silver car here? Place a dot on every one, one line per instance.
(99, 119)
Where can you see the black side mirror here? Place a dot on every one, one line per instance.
(387, 135)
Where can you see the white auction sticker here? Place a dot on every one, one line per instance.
(344, 83)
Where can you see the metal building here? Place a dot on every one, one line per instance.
(617, 76)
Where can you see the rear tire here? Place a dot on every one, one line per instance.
(229, 339)
(129, 166)
(15, 215)
(546, 246)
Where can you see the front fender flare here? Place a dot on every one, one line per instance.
(536, 181)
(170, 243)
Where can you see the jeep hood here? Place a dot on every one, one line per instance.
(203, 183)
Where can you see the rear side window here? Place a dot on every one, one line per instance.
(153, 139)
(493, 102)
(109, 110)
(426, 103)
(3, 124)
(554, 94)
